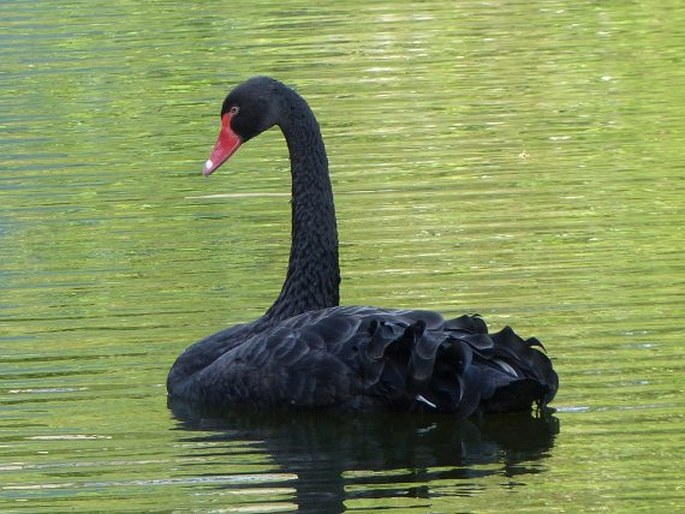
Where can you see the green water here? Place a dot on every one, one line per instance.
(524, 161)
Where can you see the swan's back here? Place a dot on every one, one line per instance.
(363, 358)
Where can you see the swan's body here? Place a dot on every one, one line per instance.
(307, 352)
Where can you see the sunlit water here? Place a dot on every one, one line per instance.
(523, 161)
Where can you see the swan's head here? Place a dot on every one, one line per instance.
(248, 110)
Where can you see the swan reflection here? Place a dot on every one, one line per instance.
(322, 460)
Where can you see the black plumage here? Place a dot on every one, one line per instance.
(306, 352)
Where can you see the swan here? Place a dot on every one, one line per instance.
(306, 351)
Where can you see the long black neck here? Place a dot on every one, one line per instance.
(313, 277)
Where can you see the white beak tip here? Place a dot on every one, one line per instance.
(208, 166)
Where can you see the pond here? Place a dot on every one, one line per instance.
(522, 161)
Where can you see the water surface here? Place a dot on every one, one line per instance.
(523, 161)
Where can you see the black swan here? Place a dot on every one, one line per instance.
(306, 352)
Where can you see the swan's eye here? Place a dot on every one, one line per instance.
(234, 110)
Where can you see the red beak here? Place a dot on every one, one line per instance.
(226, 145)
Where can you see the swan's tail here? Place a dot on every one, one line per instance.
(456, 366)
